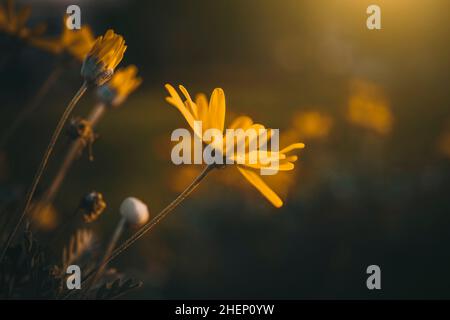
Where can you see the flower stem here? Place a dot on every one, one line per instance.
(31, 107)
(149, 225)
(43, 164)
(75, 149)
(112, 243)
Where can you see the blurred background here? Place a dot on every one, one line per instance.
(372, 107)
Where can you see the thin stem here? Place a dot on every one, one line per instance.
(149, 225)
(75, 149)
(112, 243)
(96, 114)
(31, 107)
(43, 164)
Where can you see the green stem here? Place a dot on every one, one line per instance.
(43, 164)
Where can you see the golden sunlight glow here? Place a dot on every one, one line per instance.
(44, 216)
(369, 108)
(312, 124)
(124, 82)
(444, 144)
(77, 43)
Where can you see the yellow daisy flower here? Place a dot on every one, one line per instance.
(121, 85)
(14, 22)
(76, 43)
(250, 170)
(212, 115)
(369, 108)
(103, 58)
(312, 124)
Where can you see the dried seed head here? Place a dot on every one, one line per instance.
(134, 211)
(92, 205)
(80, 128)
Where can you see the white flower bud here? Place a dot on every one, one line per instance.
(134, 211)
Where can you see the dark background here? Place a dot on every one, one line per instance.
(358, 196)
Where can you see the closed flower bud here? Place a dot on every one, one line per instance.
(81, 128)
(92, 205)
(134, 211)
(103, 58)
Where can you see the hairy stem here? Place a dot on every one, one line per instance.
(43, 164)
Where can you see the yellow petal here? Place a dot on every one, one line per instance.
(264, 156)
(293, 147)
(202, 109)
(176, 101)
(217, 109)
(264, 136)
(286, 166)
(261, 186)
(256, 127)
(192, 107)
(292, 158)
(242, 122)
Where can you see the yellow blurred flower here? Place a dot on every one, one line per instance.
(44, 216)
(312, 124)
(76, 43)
(369, 108)
(121, 85)
(444, 144)
(14, 22)
(212, 115)
(103, 58)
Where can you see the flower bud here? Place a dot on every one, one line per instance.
(92, 205)
(134, 211)
(104, 56)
